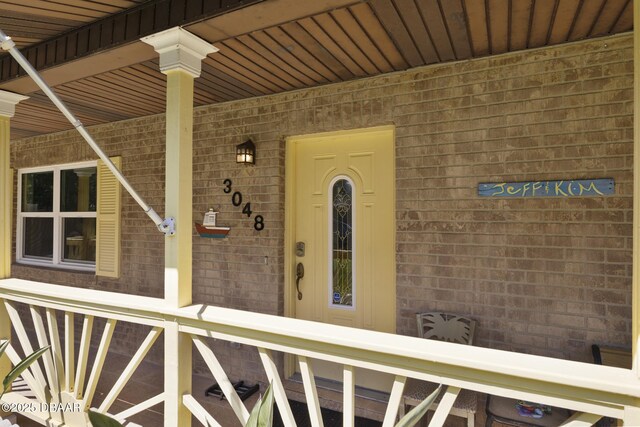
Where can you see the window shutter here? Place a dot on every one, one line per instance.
(108, 221)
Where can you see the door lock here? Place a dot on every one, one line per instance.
(299, 249)
(299, 275)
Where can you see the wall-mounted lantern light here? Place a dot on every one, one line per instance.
(246, 152)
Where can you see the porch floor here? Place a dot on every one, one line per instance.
(147, 382)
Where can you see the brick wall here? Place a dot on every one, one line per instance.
(544, 276)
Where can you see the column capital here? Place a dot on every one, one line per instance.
(8, 101)
(180, 50)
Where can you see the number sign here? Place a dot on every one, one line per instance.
(236, 200)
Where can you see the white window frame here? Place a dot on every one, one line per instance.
(57, 215)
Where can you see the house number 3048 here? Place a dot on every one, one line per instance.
(236, 200)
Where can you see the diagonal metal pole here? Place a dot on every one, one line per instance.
(167, 226)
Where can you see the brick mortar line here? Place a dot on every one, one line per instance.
(507, 104)
(506, 150)
(488, 82)
(483, 81)
(514, 222)
(524, 112)
(475, 233)
(563, 260)
(435, 156)
(569, 276)
(506, 137)
(479, 104)
(512, 173)
(500, 246)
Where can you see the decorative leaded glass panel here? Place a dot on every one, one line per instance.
(342, 243)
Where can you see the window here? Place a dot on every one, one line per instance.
(57, 216)
(341, 243)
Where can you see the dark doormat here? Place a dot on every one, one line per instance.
(330, 418)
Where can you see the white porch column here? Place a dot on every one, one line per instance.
(8, 103)
(181, 54)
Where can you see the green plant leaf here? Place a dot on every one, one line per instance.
(101, 420)
(262, 412)
(21, 367)
(253, 417)
(3, 347)
(418, 412)
(265, 417)
(47, 394)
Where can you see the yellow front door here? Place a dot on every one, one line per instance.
(344, 231)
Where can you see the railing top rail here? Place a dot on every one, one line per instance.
(334, 338)
(132, 308)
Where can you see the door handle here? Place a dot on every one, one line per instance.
(299, 275)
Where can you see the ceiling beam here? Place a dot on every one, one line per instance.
(117, 30)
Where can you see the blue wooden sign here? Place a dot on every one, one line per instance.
(571, 188)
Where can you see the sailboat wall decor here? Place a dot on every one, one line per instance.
(209, 229)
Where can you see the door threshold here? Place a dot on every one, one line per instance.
(333, 385)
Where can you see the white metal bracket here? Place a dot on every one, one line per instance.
(168, 226)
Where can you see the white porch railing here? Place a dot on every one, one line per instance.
(591, 391)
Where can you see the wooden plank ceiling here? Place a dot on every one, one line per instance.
(364, 39)
(32, 21)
